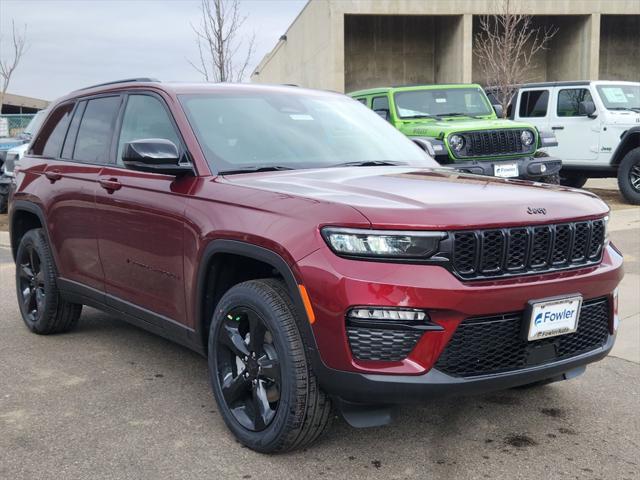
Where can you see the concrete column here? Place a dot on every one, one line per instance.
(467, 48)
(336, 74)
(593, 46)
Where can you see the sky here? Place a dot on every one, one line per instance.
(76, 43)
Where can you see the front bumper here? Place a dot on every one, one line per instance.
(336, 284)
(529, 168)
(395, 389)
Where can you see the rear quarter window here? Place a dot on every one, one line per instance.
(50, 137)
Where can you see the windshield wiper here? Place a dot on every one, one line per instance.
(426, 115)
(458, 114)
(256, 168)
(633, 109)
(369, 163)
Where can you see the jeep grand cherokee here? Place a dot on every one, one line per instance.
(309, 250)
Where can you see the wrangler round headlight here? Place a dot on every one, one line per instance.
(456, 142)
(526, 137)
(382, 243)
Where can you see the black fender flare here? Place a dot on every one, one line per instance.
(269, 257)
(626, 144)
(27, 206)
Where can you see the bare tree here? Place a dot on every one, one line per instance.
(506, 45)
(17, 46)
(218, 46)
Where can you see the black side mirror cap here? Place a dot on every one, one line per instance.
(156, 155)
(499, 110)
(587, 108)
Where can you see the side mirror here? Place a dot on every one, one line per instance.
(384, 113)
(155, 155)
(587, 108)
(499, 110)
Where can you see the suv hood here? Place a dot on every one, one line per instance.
(409, 197)
(457, 124)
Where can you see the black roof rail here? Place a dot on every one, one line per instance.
(115, 82)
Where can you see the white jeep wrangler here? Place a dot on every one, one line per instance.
(597, 125)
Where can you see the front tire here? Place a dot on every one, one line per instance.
(573, 180)
(551, 179)
(629, 176)
(43, 310)
(266, 391)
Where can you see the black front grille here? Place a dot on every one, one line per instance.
(488, 345)
(510, 251)
(381, 344)
(496, 142)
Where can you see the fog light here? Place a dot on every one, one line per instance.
(543, 168)
(387, 314)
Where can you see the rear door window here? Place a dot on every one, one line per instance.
(534, 103)
(95, 133)
(69, 142)
(49, 140)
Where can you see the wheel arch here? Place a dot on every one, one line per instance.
(253, 253)
(25, 216)
(629, 140)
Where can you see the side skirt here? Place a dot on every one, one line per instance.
(127, 311)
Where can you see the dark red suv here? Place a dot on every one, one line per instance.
(310, 251)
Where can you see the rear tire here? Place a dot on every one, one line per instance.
(4, 204)
(269, 409)
(629, 176)
(41, 306)
(573, 179)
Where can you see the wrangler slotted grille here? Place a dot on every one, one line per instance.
(488, 345)
(521, 250)
(496, 142)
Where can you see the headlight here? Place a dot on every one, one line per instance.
(606, 230)
(382, 243)
(456, 142)
(526, 137)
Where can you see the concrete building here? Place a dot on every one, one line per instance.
(17, 104)
(346, 45)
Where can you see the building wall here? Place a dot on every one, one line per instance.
(620, 47)
(345, 44)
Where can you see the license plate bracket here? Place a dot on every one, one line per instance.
(506, 170)
(551, 317)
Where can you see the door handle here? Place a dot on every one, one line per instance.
(110, 184)
(53, 175)
(557, 127)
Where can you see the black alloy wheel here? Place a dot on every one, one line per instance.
(248, 369)
(629, 176)
(31, 283)
(42, 307)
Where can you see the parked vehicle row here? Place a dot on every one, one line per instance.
(11, 151)
(310, 251)
(597, 124)
(458, 127)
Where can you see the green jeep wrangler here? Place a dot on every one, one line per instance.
(458, 126)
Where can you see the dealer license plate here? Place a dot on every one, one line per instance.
(550, 318)
(506, 170)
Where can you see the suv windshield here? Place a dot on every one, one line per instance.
(243, 131)
(442, 102)
(620, 97)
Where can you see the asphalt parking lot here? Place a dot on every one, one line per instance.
(110, 401)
